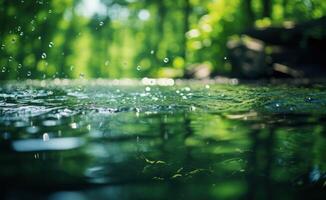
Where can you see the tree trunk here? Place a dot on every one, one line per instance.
(187, 10)
(267, 8)
(249, 12)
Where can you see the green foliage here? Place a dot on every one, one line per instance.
(124, 38)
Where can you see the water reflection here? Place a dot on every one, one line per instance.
(103, 147)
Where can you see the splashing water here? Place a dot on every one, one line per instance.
(161, 134)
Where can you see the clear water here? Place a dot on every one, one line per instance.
(188, 140)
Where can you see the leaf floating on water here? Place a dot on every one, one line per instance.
(158, 178)
(154, 162)
(196, 171)
(149, 161)
(179, 170)
(176, 176)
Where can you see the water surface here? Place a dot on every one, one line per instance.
(160, 139)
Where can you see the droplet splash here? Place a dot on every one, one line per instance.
(46, 137)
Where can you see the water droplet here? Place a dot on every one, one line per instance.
(19, 66)
(29, 73)
(51, 44)
(138, 68)
(39, 37)
(152, 52)
(72, 67)
(207, 86)
(107, 63)
(225, 58)
(3, 69)
(101, 23)
(19, 28)
(46, 137)
(81, 75)
(147, 89)
(3, 47)
(166, 60)
(21, 33)
(43, 55)
(50, 11)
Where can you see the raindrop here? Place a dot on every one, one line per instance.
(138, 68)
(166, 60)
(51, 44)
(207, 86)
(152, 52)
(21, 33)
(43, 55)
(101, 23)
(225, 58)
(19, 66)
(3, 47)
(29, 73)
(3, 69)
(148, 89)
(19, 28)
(39, 37)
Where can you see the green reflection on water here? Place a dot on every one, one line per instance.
(187, 141)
